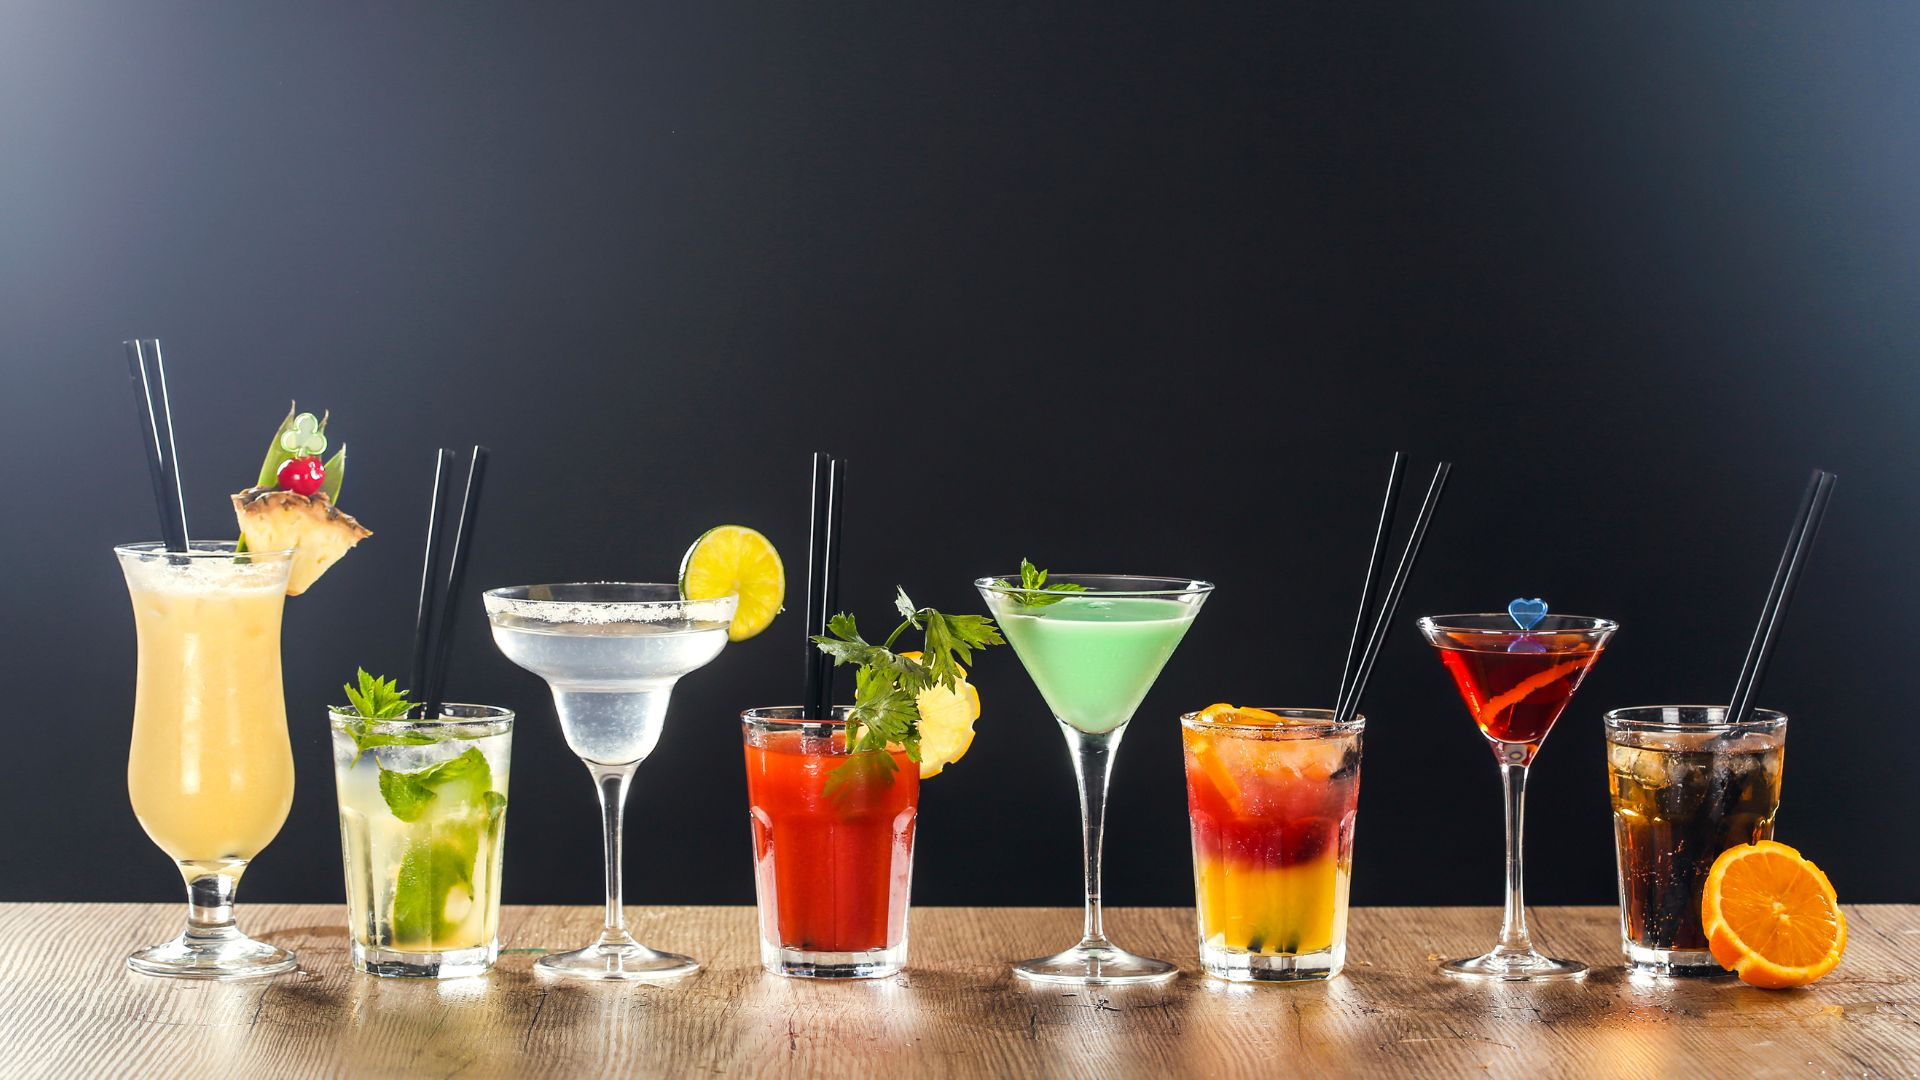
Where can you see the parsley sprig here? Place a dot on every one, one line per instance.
(1033, 590)
(887, 685)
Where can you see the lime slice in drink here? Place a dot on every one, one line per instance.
(736, 559)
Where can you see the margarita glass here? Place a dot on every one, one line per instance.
(611, 652)
(1516, 682)
(210, 772)
(1093, 655)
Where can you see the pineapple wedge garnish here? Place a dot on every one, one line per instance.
(319, 532)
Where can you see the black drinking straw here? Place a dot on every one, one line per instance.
(1399, 584)
(430, 570)
(149, 374)
(456, 580)
(823, 589)
(1793, 559)
(830, 594)
(1358, 644)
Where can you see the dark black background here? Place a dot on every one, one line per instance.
(1142, 287)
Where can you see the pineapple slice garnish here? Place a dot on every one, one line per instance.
(318, 532)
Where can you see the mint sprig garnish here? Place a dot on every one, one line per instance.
(887, 685)
(1033, 590)
(374, 700)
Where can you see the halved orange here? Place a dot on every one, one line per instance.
(1771, 916)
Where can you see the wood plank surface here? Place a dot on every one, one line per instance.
(69, 1007)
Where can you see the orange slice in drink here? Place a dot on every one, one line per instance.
(946, 722)
(1771, 917)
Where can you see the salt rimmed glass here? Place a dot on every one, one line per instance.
(611, 652)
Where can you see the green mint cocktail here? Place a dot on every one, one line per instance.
(1093, 644)
(1094, 658)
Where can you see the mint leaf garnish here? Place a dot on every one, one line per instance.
(376, 699)
(1033, 590)
(465, 779)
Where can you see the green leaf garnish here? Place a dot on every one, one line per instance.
(463, 779)
(336, 467)
(885, 712)
(377, 699)
(1033, 590)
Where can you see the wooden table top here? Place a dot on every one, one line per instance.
(69, 1007)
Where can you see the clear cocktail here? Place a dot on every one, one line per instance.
(1272, 795)
(833, 858)
(423, 806)
(210, 772)
(1093, 653)
(611, 652)
(1686, 786)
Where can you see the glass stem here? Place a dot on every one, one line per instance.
(611, 781)
(210, 904)
(1092, 766)
(1513, 927)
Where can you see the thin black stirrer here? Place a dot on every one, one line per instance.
(1786, 576)
(430, 571)
(1377, 561)
(812, 698)
(1401, 574)
(830, 593)
(456, 580)
(149, 374)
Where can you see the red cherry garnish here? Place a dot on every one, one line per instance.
(303, 475)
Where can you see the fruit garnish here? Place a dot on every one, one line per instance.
(887, 687)
(1772, 917)
(318, 532)
(735, 559)
(292, 504)
(1222, 713)
(302, 475)
(1033, 590)
(946, 722)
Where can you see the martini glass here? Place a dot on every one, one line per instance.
(1516, 682)
(611, 652)
(1093, 656)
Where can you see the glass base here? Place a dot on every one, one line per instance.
(1514, 965)
(1233, 965)
(234, 956)
(819, 964)
(446, 964)
(607, 962)
(1672, 963)
(1095, 963)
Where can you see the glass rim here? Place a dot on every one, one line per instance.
(1318, 723)
(757, 719)
(1173, 586)
(1621, 719)
(1444, 623)
(503, 601)
(478, 714)
(202, 549)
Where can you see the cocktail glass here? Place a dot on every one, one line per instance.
(1687, 786)
(210, 772)
(423, 816)
(1093, 656)
(1272, 807)
(1515, 683)
(832, 853)
(611, 652)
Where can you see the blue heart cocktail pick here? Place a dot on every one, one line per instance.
(1526, 614)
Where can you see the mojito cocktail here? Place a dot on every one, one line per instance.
(1272, 795)
(1686, 786)
(832, 856)
(423, 809)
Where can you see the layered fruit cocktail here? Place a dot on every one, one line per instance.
(1272, 795)
(832, 851)
(1686, 786)
(423, 807)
